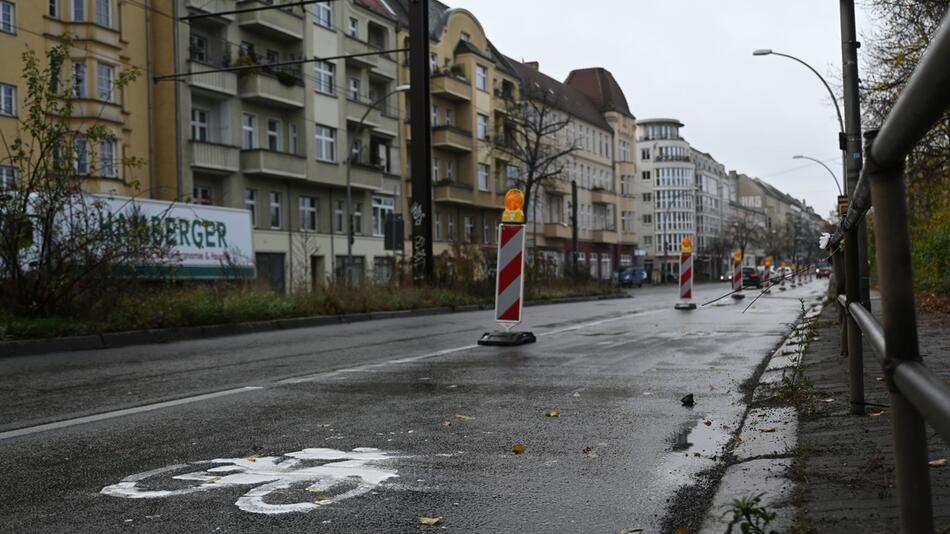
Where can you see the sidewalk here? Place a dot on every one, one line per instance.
(844, 468)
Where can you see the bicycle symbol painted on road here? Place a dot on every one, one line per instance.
(325, 476)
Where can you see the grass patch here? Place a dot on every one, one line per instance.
(221, 304)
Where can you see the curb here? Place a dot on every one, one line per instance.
(112, 340)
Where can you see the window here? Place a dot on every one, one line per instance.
(326, 143)
(648, 197)
(451, 236)
(325, 76)
(79, 79)
(644, 153)
(79, 10)
(81, 149)
(275, 209)
(199, 125)
(512, 177)
(273, 135)
(107, 159)
(201, 196)
(433, 63)
(645, 175)
(7, 17)
(483, 177)
(436, 164)
(7, 177)
(435, 115)
(469, 229)
(481, 77)
(308, 214)
(271, 56)
(292, 131)
(323, 14)
(248, 131)
(246, 49)
(449, 169)
(486, 231)
(54, 8)
(358, 218)
(105, 81)
(383, 208)
(438, 227)
(353, 27)
(482, 126)
(104, 13)
(355, 89)
(624, 151)
(338, 217)
(465, 37)
(198, 49)
(448, 116)
(250, 203)
(7, 100)
(647, 218)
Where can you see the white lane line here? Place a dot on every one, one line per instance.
(119, 413)
(308, 378)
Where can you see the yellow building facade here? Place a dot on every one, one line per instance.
(109, 37)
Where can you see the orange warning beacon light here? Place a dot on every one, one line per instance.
(514, 202)
(687, 245)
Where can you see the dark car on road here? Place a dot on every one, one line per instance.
(751, 278)
(632, 276)
(823, 270)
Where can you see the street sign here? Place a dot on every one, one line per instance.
(842, 206)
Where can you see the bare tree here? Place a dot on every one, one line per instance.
(530, 135)
(61, 252)
(744, 232)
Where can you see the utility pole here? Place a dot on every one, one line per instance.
(574, 228)
(855, 252)
(420, 150)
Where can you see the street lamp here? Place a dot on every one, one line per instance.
(833, 177)
(349, 165)
(834, 99)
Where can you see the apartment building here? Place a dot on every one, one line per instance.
(666, 190)
(471, 88)
(283, 139)
(106, 41)
(710, 244)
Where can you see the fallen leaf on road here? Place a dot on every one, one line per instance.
(447, 423)
(252, 458)
(877, 413)
(767, 429)
(431, 521)
(712, 387)
(552, 413)
(463, 417)
(212, 480)
(937, 463)
(738, 440)
(707, 422)
(519, 448)
(632, 531)
(681, 530)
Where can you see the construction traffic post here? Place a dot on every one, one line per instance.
(509, 275)
(737, 276)
(686, 276)
(782, 276)
(767, 275)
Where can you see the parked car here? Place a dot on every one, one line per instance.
(632, 276)
(823, 270)
(751, 278)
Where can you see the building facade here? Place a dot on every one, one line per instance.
(283, 137)
(711, 241)
(106, 42)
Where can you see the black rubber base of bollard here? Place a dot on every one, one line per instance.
(738, 296)
(685, 306)
(506, 339)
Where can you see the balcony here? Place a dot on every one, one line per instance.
(602, 196)
(352, 45)
(558, 186)
(605, 236)
(201, 7)
(452, 138)
(451, 87)
(557, 231)
(283, 24)
(264, 88)
(661, 158)
(218, 82)
(86, 31)
(454, 192)
(366, 176)
(213, 157)
(375, 119)
(88, 108)
(273, 164)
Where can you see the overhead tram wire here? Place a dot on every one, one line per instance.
(253, 9)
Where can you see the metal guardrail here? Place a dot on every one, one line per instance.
(917, 396)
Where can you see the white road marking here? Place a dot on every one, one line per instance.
(340, 475)
(119, 413)
(297, 380)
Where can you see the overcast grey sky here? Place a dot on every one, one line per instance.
(692, 60)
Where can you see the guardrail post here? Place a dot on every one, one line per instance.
(852, 282)
(892, 243)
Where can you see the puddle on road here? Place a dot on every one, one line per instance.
(698, 439)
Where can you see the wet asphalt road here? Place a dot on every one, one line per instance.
(443, 412)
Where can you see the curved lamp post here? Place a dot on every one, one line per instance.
(834, 99)
(354, 155)
(833, 177)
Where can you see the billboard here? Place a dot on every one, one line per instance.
(203, 241)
